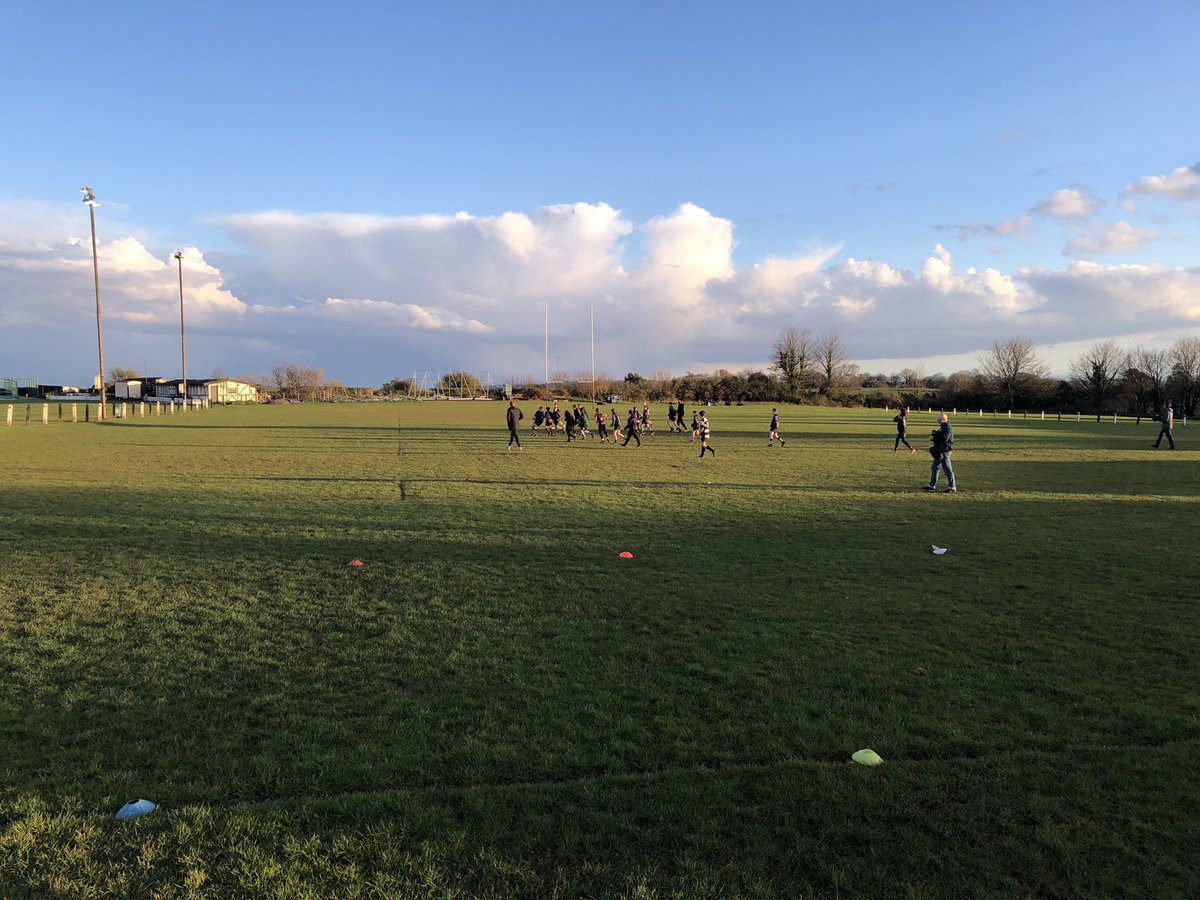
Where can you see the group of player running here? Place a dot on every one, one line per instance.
(577, 423)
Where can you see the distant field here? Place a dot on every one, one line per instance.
(497, 705)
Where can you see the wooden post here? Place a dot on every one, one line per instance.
(1077, 415)
(28, 411)
(87, 412)
(1043, 415)
(1010, 413)
(60, 412)
(158, 409)
(9, 416)
(171, 410)
(142, 410)
(45, 413)
(74, 412)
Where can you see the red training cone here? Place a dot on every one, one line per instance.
(625, 554)
(356, 562)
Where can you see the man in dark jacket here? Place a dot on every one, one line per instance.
(632, 430)
(1168, 422)
(514, 417)
(943, 443)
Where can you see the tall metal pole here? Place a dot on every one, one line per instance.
(182, 340)
(593, 317)
(90, 199)
(547, 345)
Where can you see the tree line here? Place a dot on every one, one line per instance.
(816, 369)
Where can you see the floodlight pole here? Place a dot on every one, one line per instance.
(593, 317)
(90, 199)
(547, 345)
(182, 339)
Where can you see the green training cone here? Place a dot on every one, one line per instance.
(867, 757)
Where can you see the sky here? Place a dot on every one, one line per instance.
(383, 189)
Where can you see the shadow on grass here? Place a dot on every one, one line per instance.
(507, 698)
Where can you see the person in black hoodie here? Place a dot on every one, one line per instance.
(631, 429)
(514, 417)
(901, 421)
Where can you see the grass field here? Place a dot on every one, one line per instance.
(496, 705)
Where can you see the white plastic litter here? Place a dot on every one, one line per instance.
(938, 551)
(135, 808)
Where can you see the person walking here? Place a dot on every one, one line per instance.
(695, 427)
(615, 422)
(943, 444)
(514, 417)
(901, 421)
(601, 428)
(631, 429)
(572, 422)
(679, 417)
(771, 438)
(671, 417)
(705, 434)
(1168, 422)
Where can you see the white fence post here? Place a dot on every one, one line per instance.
(1043, 415)
(45, 413)
(74, 412)
(9, 416)
(142, 409)
(1010, 413)
(1077, 417)
(171, 409)
(1114, 418)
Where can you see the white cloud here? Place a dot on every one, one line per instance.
(1012, 227)
(1181, 184)
(1109, 237)
(1068, 203)
(370, 297)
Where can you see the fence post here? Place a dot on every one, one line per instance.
(158, 409)
(45, 413)
(1077, 419)
(9, 416)
(74, 412)
(87, 412)
(172, 408)
(1114, 418)
(28, 411)
(60, 412)
(1043, 415)
(1010, 413)
(955, 412)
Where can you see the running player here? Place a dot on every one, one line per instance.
(774, 428)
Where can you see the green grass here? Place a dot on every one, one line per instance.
(497, 705)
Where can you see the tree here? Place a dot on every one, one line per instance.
(464, 384)
(120, 373)
(792, 357)
(1012, 367)
(397, 386)
(1184, 355)
(295, 382)
(1097, 373)
(1145, 379)
(832, 365)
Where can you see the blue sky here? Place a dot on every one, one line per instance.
(378, 188)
